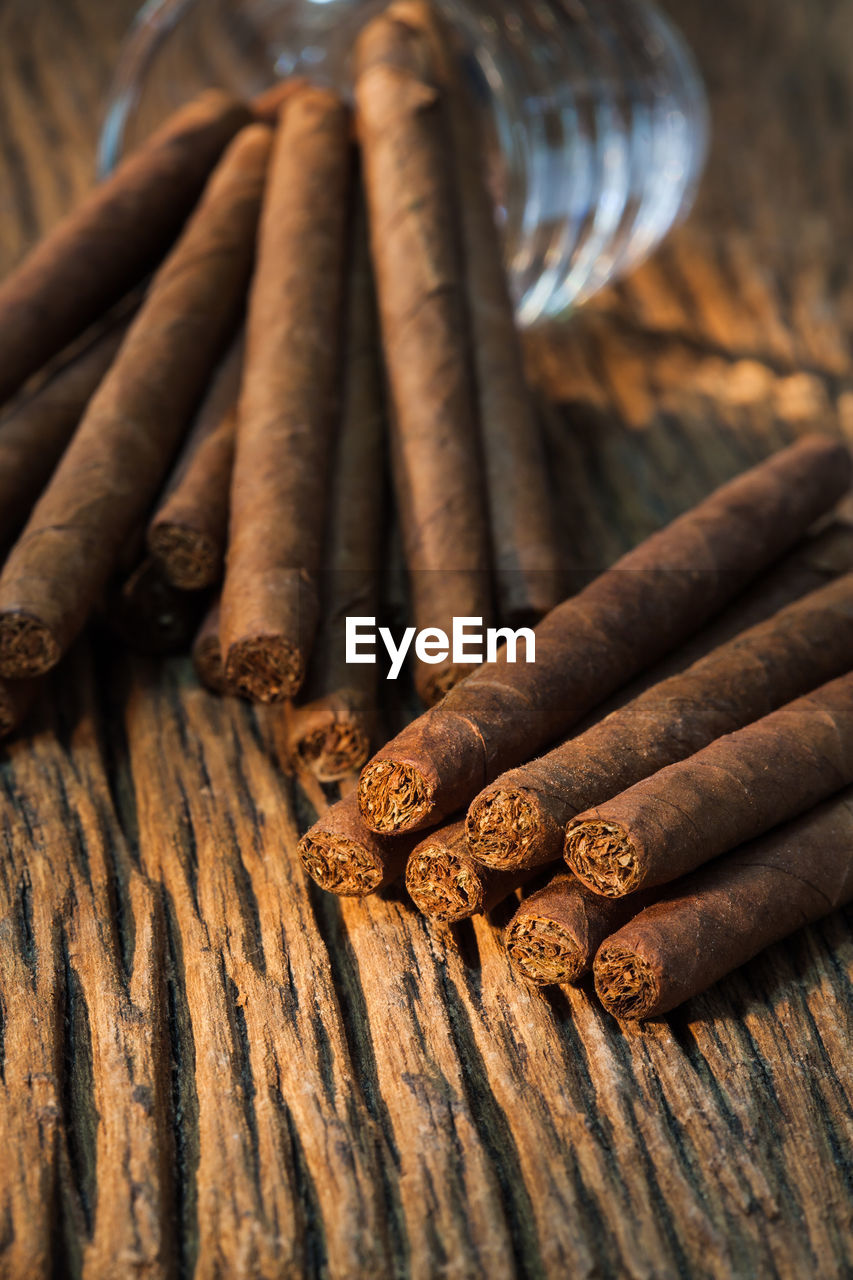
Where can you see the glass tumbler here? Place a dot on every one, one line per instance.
(593, 113)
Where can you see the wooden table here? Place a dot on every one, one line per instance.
(210, 1069)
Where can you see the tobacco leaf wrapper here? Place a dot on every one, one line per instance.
(730, 792)
(627, 618)
(121, 451)
(332, 733)
(343, 857)
(447, 885)
(520, 820)
(556, 932)
(524, 545)
(720, 917)
(415, 238)
(270, 601)
(113, 239)
(37, 428)
(189, 531)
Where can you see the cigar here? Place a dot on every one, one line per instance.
(819, 558)
(722, 916)
(343, 857)
(150, 614)
(37, 428)
(624, 620)
(553, 937)
(332, 733)
(445, 883)
(417, 257)
(331, 736)
(112, 240)
(119, 455)
(730, 792)
(207, 654)
(527, 575)
(520, 820)
(270, 601)
(189, 530)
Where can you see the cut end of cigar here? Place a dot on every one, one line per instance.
(27, 646)
(189, 559)
(264, 669)
(340, 865)
(335, 751)
(625, 984)
(500, 828)
(603, 856)
(442, 886)
(542, 951)
(393, 797)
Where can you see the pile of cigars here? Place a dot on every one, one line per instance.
(207, 358)
(704, 800)
(216, 415)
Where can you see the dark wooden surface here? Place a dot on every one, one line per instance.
(209, 1068)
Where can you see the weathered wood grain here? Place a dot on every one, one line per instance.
(207, 1067)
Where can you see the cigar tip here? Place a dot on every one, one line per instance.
(340, 864)
(442, 886)
(264, 669)
(501, 827)
(603, 856)
(543, 951)
(189, 558)
(28, 648)
(624, 982)
(393, 797)
(335, 751)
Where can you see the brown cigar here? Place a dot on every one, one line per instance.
(343, 857)
(624, 620)
(207, 654)
(332, 733)
(113, 239)
(722, 916)
(37, 428)
(190, 528)
(528, 580)
(270, 601)
(732, 791)
(520, 820)
(417, 257)
(817, 560)
(446, 884)
(122, 449)
(554, 935)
